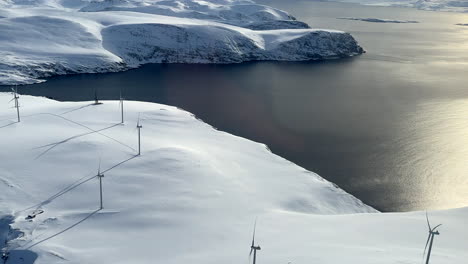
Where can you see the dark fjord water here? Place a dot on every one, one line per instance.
(390, 127)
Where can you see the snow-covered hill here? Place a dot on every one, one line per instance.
(192, 196)
(40, 38)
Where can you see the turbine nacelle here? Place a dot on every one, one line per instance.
(433, 230)
(138, 122)
(99, 174)
(255, 247)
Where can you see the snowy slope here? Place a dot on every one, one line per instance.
(433, 5)
(192, 186)
(41, 38)
(192, 196)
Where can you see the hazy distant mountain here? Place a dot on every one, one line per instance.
(435, 5)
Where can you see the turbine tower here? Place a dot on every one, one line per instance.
(430, 239)
(254, 248)
(100, 176)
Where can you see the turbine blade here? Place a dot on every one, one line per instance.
(250, 254)
(427, 219)
(427, 242)
(99, 168)
(138, 122)
(253, 237)
(435, 227)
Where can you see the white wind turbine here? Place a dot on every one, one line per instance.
(121, 107)
(430, 239)
(100, 176)
(139, 135)
(15, 98)
(253, 248)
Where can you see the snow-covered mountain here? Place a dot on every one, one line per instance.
(433, 5)
(40, 38)
(191, 197)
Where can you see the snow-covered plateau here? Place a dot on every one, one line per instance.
(41, 38)
(192, 196)
(432, 5)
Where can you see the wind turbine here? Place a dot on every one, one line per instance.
(5, 255)
(100, 176)
(139, 135)
(121, 107)
(16, 97)
(430, 238)
(254, 248)
(96, 100)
